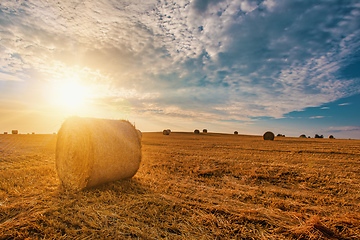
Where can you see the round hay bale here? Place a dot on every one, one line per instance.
(5, 132)
(303, 136)
(166, 132)
(269, 135)
(204, 130)
(14, 132)
(331, 136)
(236, 133)
(196, 131)
(90, 152)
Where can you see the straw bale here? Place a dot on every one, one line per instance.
(331, 136)
(236, 133)
(14, 131)
(90, 152)
(269, 135)
(139, 133)
(204, 130)
(166, 132)
(5, 132)
(196, 131)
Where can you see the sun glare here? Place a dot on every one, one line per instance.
(69, 94)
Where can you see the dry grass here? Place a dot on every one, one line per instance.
(189, 186)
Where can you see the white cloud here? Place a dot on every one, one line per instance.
(344, 129)
(9, 77)
(220, 60)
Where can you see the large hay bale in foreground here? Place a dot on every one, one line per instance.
(269, 135)
(139, 133)
(90, 152)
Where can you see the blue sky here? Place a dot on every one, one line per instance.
(291, 67)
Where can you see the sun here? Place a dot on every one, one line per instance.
(69, 94)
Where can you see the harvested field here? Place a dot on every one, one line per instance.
(189, 186)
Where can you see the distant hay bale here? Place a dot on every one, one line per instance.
(5, 132)
(236, 133)
(331, 136)
(14, 131)
(204, 130)
(269, 135)
(33, 133)
(90, 152)
(319, 136)
(302, 136)
(196, 131)
(166, 132)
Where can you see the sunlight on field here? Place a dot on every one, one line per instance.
(206, 186)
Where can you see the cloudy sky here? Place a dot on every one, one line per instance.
(291, 67)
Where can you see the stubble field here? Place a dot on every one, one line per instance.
(207, 186)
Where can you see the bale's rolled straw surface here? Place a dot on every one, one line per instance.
(269, 136)
(91, 151)
(139, 133)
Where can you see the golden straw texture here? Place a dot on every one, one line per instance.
(90, 152)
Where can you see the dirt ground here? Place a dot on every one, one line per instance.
(189, 186)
